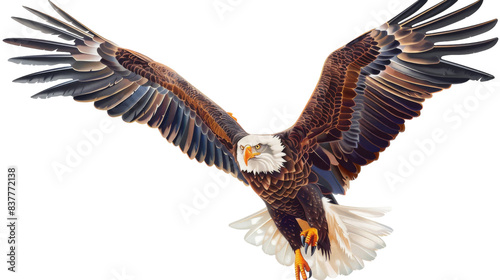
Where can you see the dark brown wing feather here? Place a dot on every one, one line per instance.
(371, 86)
(133, 86)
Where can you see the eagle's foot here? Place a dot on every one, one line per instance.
(309, 237)
(301, 266)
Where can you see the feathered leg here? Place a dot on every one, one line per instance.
(290, 228)
(287, 225)
(310, 198)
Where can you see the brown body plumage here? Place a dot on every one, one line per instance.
(367, 90)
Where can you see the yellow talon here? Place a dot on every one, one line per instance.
(309, 238)
(301, 266)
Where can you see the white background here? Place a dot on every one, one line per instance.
(117, 216)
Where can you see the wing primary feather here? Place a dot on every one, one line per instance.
(128, 103)
(183, 127)
(47, 29)
(75, 88)
(59, 23)
(176, 123)
(64, 73)
(42, 45)
(472, 73)
(218, 160)
(422, 91)
(367, 145)
(141, 106)
(462, 33)
(459, 49)
(158, 112)
(101, 94)
(46, 59)
(195, 142)
(187, 137)
(380, 96)
(435, 10)
(384, 126)
(397, 95)
(149, 112)
(375, 139)
(168, 117)
(71, 19)
(399, 74)
(408, 12)
(448, 19)
(88, 66)
(449, 69)
(412, 73)
(202, 150)
(376, 131)
(210, 153)
(375, 108)
(226, 164)
(112, 101)
(234, 167)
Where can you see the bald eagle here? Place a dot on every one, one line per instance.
(367, 90)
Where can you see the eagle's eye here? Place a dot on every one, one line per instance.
(257, 146)
(241, 147)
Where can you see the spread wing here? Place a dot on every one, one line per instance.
(371, 86)
(128, 84)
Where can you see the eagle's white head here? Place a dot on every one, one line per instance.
(260, 153)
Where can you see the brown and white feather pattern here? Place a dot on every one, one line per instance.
(354, 238)
(366, 92)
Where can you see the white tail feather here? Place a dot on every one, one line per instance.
(353, 238)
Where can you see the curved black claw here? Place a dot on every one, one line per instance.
(313, 249)
(305, 247)
(303, 239)
(310, 273)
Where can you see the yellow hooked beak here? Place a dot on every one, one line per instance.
(249, 154)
